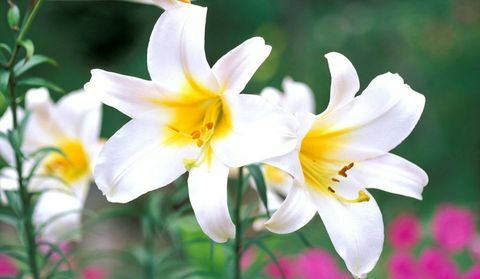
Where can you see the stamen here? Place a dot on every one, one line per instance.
(335, 180)
(362, 197)
(343, 171)
(209, 125)
(199, 142)
(331, 190)
(189, 164)
(195, 134)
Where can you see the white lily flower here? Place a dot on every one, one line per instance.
(190, 117)
(297, 97)
(73, 126)
(345, 150)
(164, 4)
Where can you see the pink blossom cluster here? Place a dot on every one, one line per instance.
(453, 230)
(310, 264)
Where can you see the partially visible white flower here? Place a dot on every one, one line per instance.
(73, 126)
(297, 97)
(164, 4)
(345, 150)
(190, 117)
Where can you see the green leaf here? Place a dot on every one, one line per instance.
(4, 76)
(304, 239)
(256, 173)
(26, 64)
(40, 82)
(6, 48)
(8, 216)
(29, 48)
(13, 200)
(13, 17)
(3, 164)
(15, 252)
(271, 255)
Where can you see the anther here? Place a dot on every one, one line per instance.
(209, 125)
(195, 134)
(199, 142)
(331, 190)
(335, 180)
(343, 171)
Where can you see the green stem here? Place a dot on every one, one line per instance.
(238, 227)
(25, 197)
(149, 234)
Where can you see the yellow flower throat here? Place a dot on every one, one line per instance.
(72, 166)
(322, 173)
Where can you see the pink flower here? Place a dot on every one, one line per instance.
(247, 259)
(453, 227)
(473, 273)
(94, 273)
(436, 265)
(316, 263)
(402, 266)
(287, 268)
(404, 231)
(475, 249)
(7, 267)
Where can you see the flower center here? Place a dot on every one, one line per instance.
(70, 167)
(321, 172)
(196, 116)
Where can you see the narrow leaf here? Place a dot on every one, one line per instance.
(35, 81)
(24, 65)
(6, 48)
(256, 173)
(272, 256)
(29, 48)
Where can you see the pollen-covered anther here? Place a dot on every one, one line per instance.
(335, 180)
(209, 125)
(199, 142)
(343, 171)
(195, 134)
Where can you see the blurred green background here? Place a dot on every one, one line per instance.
(433, 44)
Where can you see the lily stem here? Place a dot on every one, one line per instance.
(238, 227)
(25, 197)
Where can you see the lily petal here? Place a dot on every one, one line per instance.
(131, 96)
(42, 126)
(207, 189)
(290, 162)
(345, 83)
(164, 4)
(373, 123)
(260, 130)
(298, 96)
(61, 215)
(176, 55)
(273, 95)
(235, 69)
(6, 123)
(138, 158)
(391, 173)
(356, 229)
(81, 116)
(295, 212)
